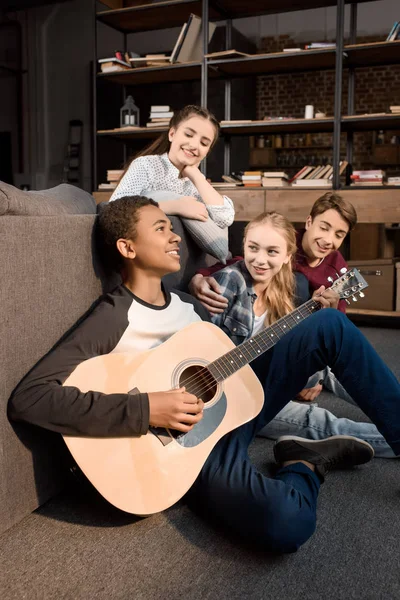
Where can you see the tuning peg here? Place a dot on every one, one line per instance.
(330, 279)
(361, 294)
(347, 301)
(343, 270)
(354, 299)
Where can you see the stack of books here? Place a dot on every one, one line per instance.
(250, 178)
(394, 32)
(395, 110)
(150, 60)
(272, 179)
(110, 65)
(160, 116)
(394, 180)
(113, 177)
(369, 177)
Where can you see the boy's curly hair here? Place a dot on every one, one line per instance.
(116, 220)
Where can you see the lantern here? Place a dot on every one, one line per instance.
(129, 114)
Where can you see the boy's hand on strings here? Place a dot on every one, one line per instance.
(207, 290)
(175, 409)
(327, 297)
(309, 394)
(190, 208)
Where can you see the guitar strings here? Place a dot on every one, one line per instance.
(200, 376)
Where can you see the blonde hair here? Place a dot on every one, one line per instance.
(278, 297)
(162, 143)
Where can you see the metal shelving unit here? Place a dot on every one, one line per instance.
(157, 15)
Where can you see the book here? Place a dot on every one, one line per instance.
(178, 43)
(162, 115)
(107, 186)
(312, 183)
(156, 108)
(232, 179)
(250, 178)
(113, 60)
(191, 48)
(395, 33)
(275, 174)
(225, 54)
(223, 184)
(388, 39)
(113, 68)
(320, 45)
(293, 50)
(236, 122)
(258, 173)
(274, 182)
(298, 174)
(114, 175)
(160, 124)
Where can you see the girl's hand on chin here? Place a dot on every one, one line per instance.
(190, 170)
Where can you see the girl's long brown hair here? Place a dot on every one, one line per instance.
(278, 297)
(162, 143)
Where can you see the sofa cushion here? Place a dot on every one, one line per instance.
(61, 200)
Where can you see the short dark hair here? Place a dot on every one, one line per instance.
(332, 200)
(116, 220)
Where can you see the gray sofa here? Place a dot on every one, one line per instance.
(49, 277)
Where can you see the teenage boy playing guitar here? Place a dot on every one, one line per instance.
(277, 514)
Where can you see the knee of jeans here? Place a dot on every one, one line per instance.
(285, 531)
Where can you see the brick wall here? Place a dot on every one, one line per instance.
(376, 88)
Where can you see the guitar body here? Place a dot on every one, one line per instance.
(149, 473)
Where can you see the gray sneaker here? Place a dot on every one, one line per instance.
(338, 451)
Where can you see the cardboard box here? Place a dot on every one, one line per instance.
(398, 286)
(380, 276)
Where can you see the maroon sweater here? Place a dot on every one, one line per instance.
(317, 276)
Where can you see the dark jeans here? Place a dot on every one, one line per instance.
(280, 514)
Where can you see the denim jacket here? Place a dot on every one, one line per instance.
(236, 285)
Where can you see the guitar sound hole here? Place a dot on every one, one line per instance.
(199, 381)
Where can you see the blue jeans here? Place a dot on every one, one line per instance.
(280, 514)
(310, 421)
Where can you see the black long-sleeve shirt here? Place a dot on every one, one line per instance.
(119, 322)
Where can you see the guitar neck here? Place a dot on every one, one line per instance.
(235, 359)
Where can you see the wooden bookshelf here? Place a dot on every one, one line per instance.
(157, 15)
(149, 75)
(372, 54)
(173, 13)
(277, 62)
(349, 123)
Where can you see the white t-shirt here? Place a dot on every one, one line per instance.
(258, 323)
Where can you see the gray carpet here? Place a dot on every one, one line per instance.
(79, 547)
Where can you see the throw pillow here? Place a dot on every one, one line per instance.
(207, 235)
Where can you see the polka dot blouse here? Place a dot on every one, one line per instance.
(156, 172)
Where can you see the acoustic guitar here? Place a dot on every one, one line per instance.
(149, 473)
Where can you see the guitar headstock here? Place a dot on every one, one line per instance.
(350, 285)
